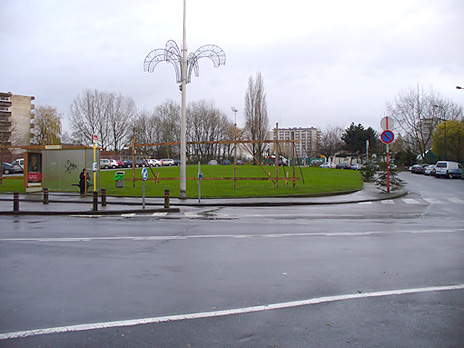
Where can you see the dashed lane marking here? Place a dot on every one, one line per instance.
(213, 314)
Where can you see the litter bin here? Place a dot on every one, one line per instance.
(119, 179)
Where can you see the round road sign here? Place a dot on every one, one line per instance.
(144, 174)
(387, 137)
(387, 123)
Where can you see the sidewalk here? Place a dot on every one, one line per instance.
(74, 204)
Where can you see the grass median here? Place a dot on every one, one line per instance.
(312, 181)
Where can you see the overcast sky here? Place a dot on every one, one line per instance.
(323, 62)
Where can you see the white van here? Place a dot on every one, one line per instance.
(448, 169)
(18, 165)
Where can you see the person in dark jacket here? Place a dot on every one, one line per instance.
(82, 179)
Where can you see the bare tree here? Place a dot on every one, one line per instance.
(417, 115)
(207, 124)
(330, 142)
(47, 126)
(120, 114)
(256, 118)
(106, 114)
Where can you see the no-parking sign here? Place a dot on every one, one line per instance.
(387, 137)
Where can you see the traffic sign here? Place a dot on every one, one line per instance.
(95, 138)
(144, 174)
(387, 137)
(387, 123)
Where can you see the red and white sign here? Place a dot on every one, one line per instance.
(95, 138)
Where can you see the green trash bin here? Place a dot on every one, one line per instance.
(119, 179)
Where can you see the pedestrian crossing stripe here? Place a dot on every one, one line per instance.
(433, 201)
(456, 200)
(410, 201)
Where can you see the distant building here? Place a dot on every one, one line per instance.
(16, 119)
(305, 148)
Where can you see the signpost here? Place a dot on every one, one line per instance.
(387, 138)
(200, 176)
(144, 178)
(95, 139)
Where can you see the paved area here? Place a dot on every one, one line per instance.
(69, 203)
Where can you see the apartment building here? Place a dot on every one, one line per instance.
(16, 118)
(305, 148)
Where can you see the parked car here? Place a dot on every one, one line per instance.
(18, 165)
(428, 169)
(448, 169)
(342, 166)
(240, 163)
(114, 164)
(177, 162)
(326, 165)
(225, 163)
(8, 168)
(168, 162)
(154, 163)
(356, 166)
(213, 163)
(418, 169)
(138, 163)
(120, 163)
(105, 163)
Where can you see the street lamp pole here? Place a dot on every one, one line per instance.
(444, 125)
(184, 66)
(459, 87)
(234, 110)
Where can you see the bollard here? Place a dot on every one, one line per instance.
(166, 199)
(16, 201)
(45, 196)
(95, 201)
(103, 197)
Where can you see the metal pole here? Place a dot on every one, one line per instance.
(388, 169)
(234, 110)
(143, 194)
(183, 142)
(277, 155)
(444, 125)
(199, 182)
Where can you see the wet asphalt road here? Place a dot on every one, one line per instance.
(176, 271)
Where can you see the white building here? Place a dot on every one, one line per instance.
(305, 148)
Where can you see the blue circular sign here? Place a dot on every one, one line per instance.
(144, 174)
(387, 137)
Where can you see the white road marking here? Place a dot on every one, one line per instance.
(433, 201)
(244, 236)
(128, 215)
(203, 315)
(410, 201)
(388, 201)
(365, 203)
(159, 214)
(456, 200)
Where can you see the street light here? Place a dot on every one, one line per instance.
(234, 110)
(444, 123)
(183, 67)
(459, 87)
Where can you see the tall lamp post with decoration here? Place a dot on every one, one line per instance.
(387, 138)
(183, 67)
